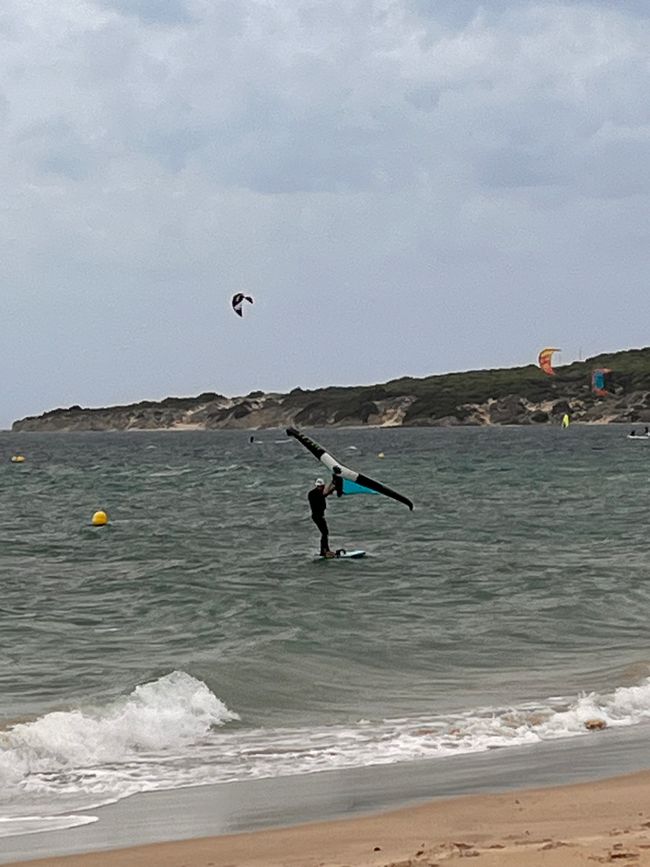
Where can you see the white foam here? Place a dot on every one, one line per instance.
(173, 732)
(288, 751)
(168, 713)
(12, 827)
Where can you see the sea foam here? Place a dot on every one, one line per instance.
(173, 732)
(11, 827)
(168, 713)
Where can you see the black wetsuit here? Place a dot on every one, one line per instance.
(318, 505)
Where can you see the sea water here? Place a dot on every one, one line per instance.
(195, 640)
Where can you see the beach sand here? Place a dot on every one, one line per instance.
(604, 822)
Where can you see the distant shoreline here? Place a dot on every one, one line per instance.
(281, 428)
(508, 396)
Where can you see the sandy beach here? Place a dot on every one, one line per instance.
(589, 823)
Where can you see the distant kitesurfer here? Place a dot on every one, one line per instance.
(318, 505)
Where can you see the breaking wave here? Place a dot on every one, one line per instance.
(174, 732)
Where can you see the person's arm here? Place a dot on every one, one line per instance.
(329, 489)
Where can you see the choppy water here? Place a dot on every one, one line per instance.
(196, 640)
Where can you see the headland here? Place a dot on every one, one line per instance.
(507, 396)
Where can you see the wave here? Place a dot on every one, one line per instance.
(287, 751)
(174, 732)
(15, 825)
(170, 713)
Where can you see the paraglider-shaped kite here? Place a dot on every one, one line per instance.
(238, 302)
(544, 360)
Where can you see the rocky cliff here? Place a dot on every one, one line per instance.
(518, 395)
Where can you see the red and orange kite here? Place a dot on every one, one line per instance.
(544, 360)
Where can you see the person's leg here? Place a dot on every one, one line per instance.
(324, 537)
(321, 523)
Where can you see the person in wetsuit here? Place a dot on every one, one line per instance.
(317, 504)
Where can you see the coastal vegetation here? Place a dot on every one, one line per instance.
(515, 395)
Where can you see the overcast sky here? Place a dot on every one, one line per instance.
(404, 186)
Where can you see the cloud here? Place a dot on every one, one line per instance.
(282, 99)
(459, 13)
(54, 146)
(430, 167)
(165, 12)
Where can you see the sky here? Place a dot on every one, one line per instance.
(405, 187)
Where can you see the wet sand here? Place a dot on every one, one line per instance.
(606, 822)
(339, 817)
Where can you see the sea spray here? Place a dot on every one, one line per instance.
(165, 714)
(173, 732)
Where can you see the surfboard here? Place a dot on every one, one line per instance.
(342, 554)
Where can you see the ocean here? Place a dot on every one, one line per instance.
(197, 640)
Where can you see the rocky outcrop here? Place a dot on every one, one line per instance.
(513, 396)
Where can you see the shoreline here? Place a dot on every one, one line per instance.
(250, 815)
(585, 823)
(191, 428)
(503, 395)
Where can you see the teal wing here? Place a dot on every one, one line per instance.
(355, 488)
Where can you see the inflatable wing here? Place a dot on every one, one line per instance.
(544, 360)
(346, 481)
(238, 302)
(348, 487)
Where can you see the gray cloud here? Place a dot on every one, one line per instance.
(54, 146)
(431, 171)
(152, 11)
(459, 13)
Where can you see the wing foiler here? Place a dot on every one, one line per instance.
(346, 481)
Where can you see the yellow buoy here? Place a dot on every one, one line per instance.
(380, 455)
(18, 459)
(99, 519)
